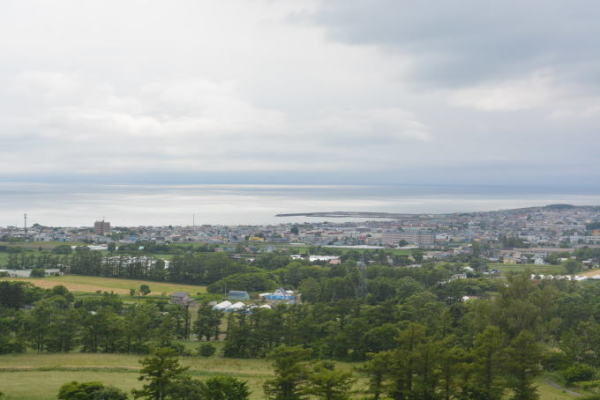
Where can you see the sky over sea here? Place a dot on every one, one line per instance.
(218, 204)
(300, 92)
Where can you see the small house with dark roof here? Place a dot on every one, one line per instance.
(181, 298)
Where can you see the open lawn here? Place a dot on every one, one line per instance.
(536, 269)
(38, 377)
(33, 376)
(91, 284)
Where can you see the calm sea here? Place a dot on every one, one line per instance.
(81, 204)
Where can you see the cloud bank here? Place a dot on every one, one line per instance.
(397, 91)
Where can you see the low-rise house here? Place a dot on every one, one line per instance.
(280, 295)
(181, 298)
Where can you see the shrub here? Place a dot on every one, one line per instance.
(579, 372)
(90, 391)
(555, 361)
(206, 350)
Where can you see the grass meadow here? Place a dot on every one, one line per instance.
(33, 376)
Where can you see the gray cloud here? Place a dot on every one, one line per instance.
(311, 90)
(465, 42)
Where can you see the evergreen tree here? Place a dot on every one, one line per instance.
(377, 368)
(523, 365)
(290, 373)
(327, 383)
(488, 358)
(208, 322)
(162, 372)
(224, 388)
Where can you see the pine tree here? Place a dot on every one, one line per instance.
(290, 373)
(162, 371)
(523, 366)
(327, 383)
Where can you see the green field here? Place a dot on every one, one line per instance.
(38, 377)
(535, 269)
(33, 376)
(91, 284)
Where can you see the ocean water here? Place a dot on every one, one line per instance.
(133, 205)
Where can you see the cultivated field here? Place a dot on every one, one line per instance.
(91, 284)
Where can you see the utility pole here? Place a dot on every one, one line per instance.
(25, 222)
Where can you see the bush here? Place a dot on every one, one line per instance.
(177, 348)
(144, 290)
(225, 387)
(90, 391)
(555, 361)
(579, 372)
(206, 350)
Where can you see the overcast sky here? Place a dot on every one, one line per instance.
(327, 91)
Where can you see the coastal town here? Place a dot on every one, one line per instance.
(518, 236)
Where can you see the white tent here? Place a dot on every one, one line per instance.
(237, 306)
(222, 306)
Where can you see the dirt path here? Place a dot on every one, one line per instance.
(557, 386)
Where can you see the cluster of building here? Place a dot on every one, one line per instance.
(547, 227)
(239, 300)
